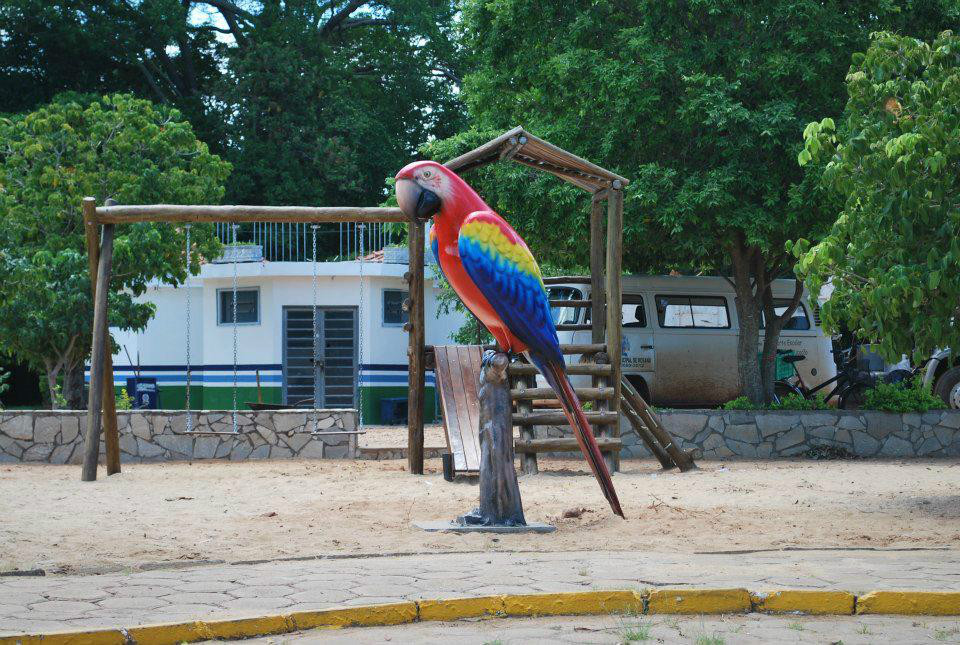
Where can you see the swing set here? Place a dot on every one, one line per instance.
(100, 222)
(612, 394)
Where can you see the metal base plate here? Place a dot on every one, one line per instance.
(454, 527)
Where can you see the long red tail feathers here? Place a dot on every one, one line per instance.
(570, 404)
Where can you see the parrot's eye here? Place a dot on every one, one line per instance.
(427, 174)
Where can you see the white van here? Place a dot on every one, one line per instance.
(680, 333)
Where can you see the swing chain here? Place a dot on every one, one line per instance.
(186, 285)
(316, 333)
(236, 428)
(361, 226)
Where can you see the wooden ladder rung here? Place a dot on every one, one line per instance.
(582, 348)
(558, 418)
(590, 369)
(583, 393)
(576, 327)
(564, 444)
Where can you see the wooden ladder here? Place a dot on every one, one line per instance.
(604, 417)
(648, 427)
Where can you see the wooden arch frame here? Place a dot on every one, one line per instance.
(606, 256)
(518, 145)
(99, 223)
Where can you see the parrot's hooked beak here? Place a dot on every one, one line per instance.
(416, 201)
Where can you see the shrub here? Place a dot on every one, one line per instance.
(740, 403)
(4, 386)
(124, 400)
(797, 402)
(901, 397)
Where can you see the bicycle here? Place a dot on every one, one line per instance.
(851, 383)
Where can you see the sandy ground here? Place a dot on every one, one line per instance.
(396, 437)
(183, 512)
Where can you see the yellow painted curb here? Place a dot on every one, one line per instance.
(574, 603)
(391, 614)
(660, 601)
(815, 603)
(243, 627)
(167, 633)
(699, 601)
(457, 608)
(84, 637)
(910, 603)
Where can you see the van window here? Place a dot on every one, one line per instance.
(695, 312)
(564, 315)
(799, 321)
(634, 315)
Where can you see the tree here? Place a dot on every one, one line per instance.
(117, 147)
(312, 102)
(321, 105)
(893, 255)
(152, 48)
(700, 103)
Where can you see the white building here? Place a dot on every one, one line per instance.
(359, 327)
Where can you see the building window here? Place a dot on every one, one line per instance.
(248, 306)
(693, 312)
(393, 313)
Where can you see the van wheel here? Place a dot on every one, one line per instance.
(639, 385)
(947, 387)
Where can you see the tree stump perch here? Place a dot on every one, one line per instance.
(500, 503)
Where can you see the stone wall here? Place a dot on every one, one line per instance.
(160, 435)
(749, 434)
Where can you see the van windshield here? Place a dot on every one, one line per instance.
(564, 315)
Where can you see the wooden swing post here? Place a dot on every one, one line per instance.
(100, 358)
(415, 351)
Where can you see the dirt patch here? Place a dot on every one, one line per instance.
(183, 513)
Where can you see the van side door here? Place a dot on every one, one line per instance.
(696, 350)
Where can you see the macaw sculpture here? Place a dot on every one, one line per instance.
(490, 267)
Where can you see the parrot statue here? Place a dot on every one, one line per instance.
(493, 272)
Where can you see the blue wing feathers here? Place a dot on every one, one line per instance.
(517, 297)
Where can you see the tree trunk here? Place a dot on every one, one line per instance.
(52, 371)
(748, 313)
(774, 325)
(73, 387)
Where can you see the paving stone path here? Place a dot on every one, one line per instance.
(753, 629)
(235, 590)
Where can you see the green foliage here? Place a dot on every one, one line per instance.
(115, 147)
(313, 102)
(787, 402)
(902, 397)
(699, 104)
(893, 255)
(635, 632)
(4, 385)
(797, 402)
(318, 117)
(57, 400)
(740, 403)
(124, 401)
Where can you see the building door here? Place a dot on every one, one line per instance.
(331, 380)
